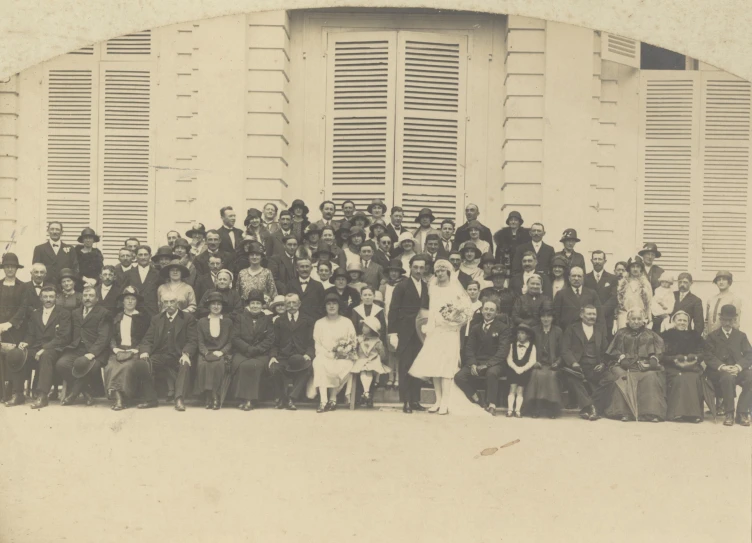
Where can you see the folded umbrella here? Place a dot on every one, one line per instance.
(708, 394)
(628, 388)
(225, 386)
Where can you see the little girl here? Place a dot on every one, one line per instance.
(520, 361)
(371, 356)
(662, 304)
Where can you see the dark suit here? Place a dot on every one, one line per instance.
(720, 350)
(252, 340)
(321, 223)
(276, 243)
(110, 302)
(66, 258)
(226, 239)
(574, 351)
(462, 235)
(606, 291)
(312, 300)
(201, 262)
(165, 343)
(393, 233)
(404, 308)
(32, 302)
(567, 306)
(120, 274)
(654, 276)
(544, 256)
(382, 259)
(489, 348)
(373, 275)
(283, 271)
(204, 283)
(575, 260)
(13, 310)
(147, 289)
(291, 340)
(516, 283)
(693, 306)
(91, 335)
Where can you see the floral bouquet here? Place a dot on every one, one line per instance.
(345, 349)
(453, 314)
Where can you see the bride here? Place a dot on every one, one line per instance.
(439, 358)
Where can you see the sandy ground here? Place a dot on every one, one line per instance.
(90, 474)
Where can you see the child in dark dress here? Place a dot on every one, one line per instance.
(520, 361)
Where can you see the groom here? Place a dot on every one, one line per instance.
(408, 298)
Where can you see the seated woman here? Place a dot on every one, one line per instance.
(348, 296)
(214, 349)
(233, 302)
(637, 373)
(331, 371)
(121, 375)
(255, 277)
(543, 393)
(682, 360)
(69, 296)
(182, 250)
(368, 308)
(252, 341)
(526, 308)
(174, 274)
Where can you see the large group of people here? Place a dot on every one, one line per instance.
(288, 307)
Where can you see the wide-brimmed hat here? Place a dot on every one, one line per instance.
(164, 250)
(67, 273)
(361, 216)
(569, 234)
(728, 311)
(559, 260)
(332, 297)
(175, 264)
(15, 359)
(251, 246)
(300, 204)
(215, 297)
(197, 228)
(354, 267)
(82, 366)
(396, 264)
(256, 295)
(323, 248)
(470, 246)
(723, 274)
(650, 247)
(405, 236)
(372, 323)
(357, 230)
(635, 260)
(130, 291)
(279, 299)
(376, 203)
(10, 259)
(313, 228)
(88, 232)
(425, 212)
(526, 328)
(182, 242)
(377, 222)
(512, 215)
(339, 272)
(252, 213)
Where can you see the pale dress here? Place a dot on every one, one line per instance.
(329, 372)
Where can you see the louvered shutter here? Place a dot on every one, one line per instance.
(619, 49)
(125, 143)
(669, 110)
(69, 171)
(430, 126)
(724, 155)
(136, 46)
(360, 116)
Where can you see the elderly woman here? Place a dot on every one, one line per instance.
(233, 302)
(182, 250)
(124, 367)
(543, 392)
(330, 371)
(253, 340)
(197, 235)
(90, 259)
(633, 292)
(68, 298)
(559, 275)
(348, 296)
(299, 219)
(473, 229)
(174, 275)
(682, 360)
(469, 270)
(255, 277)
(527, 307)
(214, 350)
(638, 377)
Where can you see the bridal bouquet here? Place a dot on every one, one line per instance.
(345, 349)
(451, 313)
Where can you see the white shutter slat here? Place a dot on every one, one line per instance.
(430, 125)
(725, 157)
(138, 45)
(125, 141)
(620, 49)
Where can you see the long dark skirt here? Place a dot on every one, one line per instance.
(650, 394)
(209, 375)
(246, 376)
(122, 376)
(685, 397)
(543, 391)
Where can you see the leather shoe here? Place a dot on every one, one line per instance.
(406, 408)
(593, 414)
(179, 405)
(417, 407)
(16, 399)
(40, 402)
(279, 404)
(585, 413)
(88, 400)
(148, 405)
(291, 406)
(729, 419)
(743, 419)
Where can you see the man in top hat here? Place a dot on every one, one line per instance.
(499, 290)
(543, 252)
(570, 300)
(373, 273)
(446, 241)
(518, 283)
(309, 291)
(55, 254)
(213, 248)
(125, 263)
(47, 332)
(395, 228)
(685, 300)
(728, 356)
(328, 209)
(145, 279)
(574, 259)
(604, 284)
(278, 235)
(509, 238)
(377, 210)
(348, 210)
(723, 280)
(292, 353)
(424, 219)
(649, 253)
(82, 359)
(229, 236)
(282, 266)
(107, 290)
(486, 349)
(472, 212)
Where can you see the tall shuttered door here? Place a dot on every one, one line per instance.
(70, 169)
(360, 116)
(430, 124)
(125, 151)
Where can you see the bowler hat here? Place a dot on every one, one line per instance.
(396, 264)
(296, 363)
(376, 203)
(10, 259)
(197, 228)
(723, 274)
(425, 212)
(82, 366)
(122, 356)
(175, 264)
(88, 232)
(16, 359)
(300, 204)
(164, 250)
(372, 323)
(728, 311)
(130, 291)
(470, 246)
(332, 297)
(512, 215)
(339, 272)
(569, 234)
(650, 247)
(359, 215)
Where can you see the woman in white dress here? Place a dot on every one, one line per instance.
(439, 359)
(330, 374)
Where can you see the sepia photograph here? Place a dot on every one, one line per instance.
(468, 274)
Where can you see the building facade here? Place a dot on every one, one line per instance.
(149, 132)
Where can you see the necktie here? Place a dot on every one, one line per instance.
(577, 292)
(486, 326)
(365, 265)
(86, 312)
